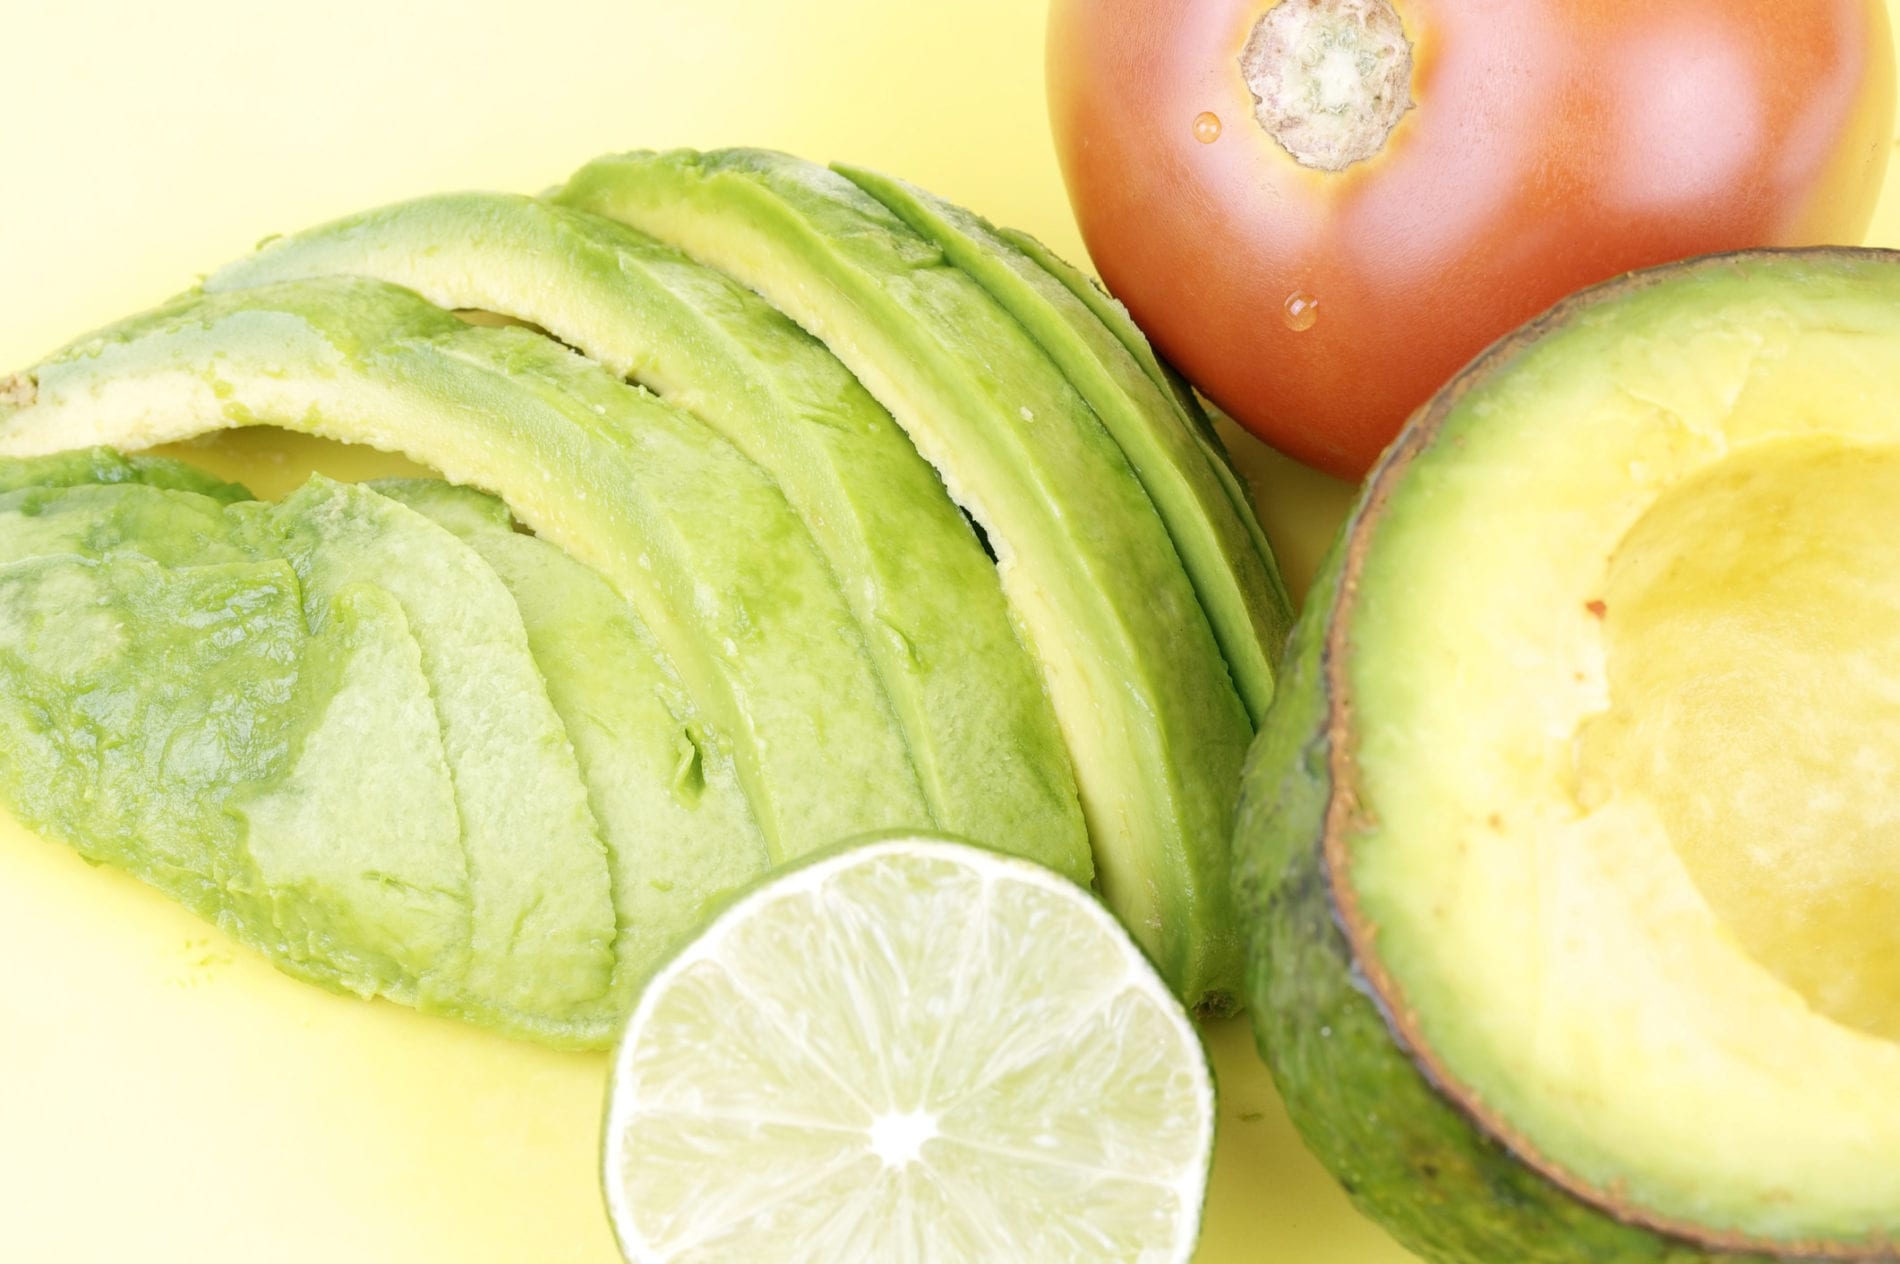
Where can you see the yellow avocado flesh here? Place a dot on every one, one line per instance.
(1751, 618)
(1623, 720)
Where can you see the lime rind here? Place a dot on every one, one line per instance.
(909, 1049)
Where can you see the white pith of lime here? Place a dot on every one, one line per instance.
(912, 1051)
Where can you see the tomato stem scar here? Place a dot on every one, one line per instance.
(1330, 78)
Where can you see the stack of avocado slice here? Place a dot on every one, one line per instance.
(808, 506)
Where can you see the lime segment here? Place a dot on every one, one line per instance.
(911, 1051)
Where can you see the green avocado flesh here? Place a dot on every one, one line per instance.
(105, 467)
(644, 494)
(105, 743)
(1239, 587)
(170, 527)
(541, 921)
(190, 687)
(357, 842)
(1141, 691)
(1568, 847)
(979, 730)
(1109, 312)
(779, 509)
(678, 832)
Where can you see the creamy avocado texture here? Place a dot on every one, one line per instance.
(628, 485)
(1591, 748)
(1146, 702)
(979, 730)
(782, 523)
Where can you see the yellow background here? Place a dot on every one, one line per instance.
(165, 1095)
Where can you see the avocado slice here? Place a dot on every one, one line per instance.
(105, 467)
(541, 921)
(1233, 573)
(295, 882)
(98, 521)
(1115, 318)
(978, 727)
(109, 635)
(1143, 696)
(696, 537)
(133, 697)
(1567, 846)
(357, 841)
(679, 834)
(202, 722)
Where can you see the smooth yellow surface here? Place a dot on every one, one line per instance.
(165, 1096)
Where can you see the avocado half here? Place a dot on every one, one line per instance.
(1569, 849)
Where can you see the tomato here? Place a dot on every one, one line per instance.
(1548, 144)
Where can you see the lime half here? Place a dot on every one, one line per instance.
(908, 1051)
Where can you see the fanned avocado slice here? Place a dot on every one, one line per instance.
(978, 726)
(264, 750)
(1114, 317)
(134, 697)
(105, 466)
(340, 875)
(542, 924)
(96, 521)
(1232, 572)
(1139, 684)
(679, 834)
(693, 534)
(358, 842)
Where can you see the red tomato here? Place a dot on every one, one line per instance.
(1549, 144)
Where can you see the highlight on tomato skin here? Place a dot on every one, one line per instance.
(1546, 145)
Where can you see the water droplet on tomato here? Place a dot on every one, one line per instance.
(1207, 127)
(1301, 311)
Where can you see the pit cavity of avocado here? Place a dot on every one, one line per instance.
(1330, 78)
(1755, 708)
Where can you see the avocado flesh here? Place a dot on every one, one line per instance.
(1115, 317)
(980, 732)
(207, 653)
(137, 697)
(643, 494)
(106, 467)
(358, 841)
(679, 834)
(1459, 799)
(1238, 584)
(1109, 311)
(1143, 696)
(100, 521)
(541, 921)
